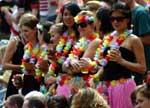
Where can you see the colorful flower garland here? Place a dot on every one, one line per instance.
(64, 46)
(84, 18)
(99, 56)
(41, 57)
(30, 55)
(80, 47)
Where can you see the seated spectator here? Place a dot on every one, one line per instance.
(57, 102)
(14, 101)
(35, 95)
(33, 103)
(88, 98)
(141, 95)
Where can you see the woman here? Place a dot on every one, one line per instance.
(69, 37)
(143, 96)
(12, 61)
(27, 24)
(88, 98)
(80, 76)
(102, 22)
(120, 54)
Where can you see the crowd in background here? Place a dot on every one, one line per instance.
(75, 53)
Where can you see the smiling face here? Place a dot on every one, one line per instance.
(85, 29)
(28, 33)
(55, 35)
(68, 18)
(142, 102)
(119, 21)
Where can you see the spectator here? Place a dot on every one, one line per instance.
(33, 103)
(141, 28)
(88, 98)
(12, 61)
(14, 101)
(143, 96)
(102, 22)
(123, 58)
(57, 102)
(35, 95)
(5, 20)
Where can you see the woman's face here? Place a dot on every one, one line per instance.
(85, 29)
(28, 33)
(55, 36)
(68, 19)
(142, 102)
(119, 21)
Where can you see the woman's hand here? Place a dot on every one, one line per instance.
(50, 80)
(30, 68)
(115, 55)
(75, 66)
(43, 66)
(17, 81)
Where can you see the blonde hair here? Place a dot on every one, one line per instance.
(88, 98)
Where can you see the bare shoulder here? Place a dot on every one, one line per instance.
(134, 38)
(135, 41)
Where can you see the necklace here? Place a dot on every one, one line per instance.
(80, 47)
(62, 49)
(41, 57)
(30, 55)
(99, 56)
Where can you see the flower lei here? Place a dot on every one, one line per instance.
(41, 57)
(30, 54)
(99, 56)
(79, 47)
(84, 18)
(64, 46)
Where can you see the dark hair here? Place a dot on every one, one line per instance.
(16, 99)
(124, 9)
(46, 26)
(57, 102)
(35, 103)
(103, 15)
(74, 9)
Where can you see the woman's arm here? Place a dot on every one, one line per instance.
(10, 50)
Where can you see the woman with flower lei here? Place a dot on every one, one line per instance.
(118, 55)
(69, 36)
(28, 28)
(80, 77)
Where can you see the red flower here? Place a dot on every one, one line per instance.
(148, 79)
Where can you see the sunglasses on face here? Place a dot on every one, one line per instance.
(82, 25)
(118, 19)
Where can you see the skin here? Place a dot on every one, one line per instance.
(132, 4)
(25, 104)
(77, 65)
(132, 43)
(142, 102)
(68, 19)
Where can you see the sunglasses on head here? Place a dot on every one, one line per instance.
(118, 18)
(82, 25)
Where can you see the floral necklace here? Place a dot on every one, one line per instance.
(99, 56)
(30, 55)
(80, 47)
(41, 57)
(64, 46)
